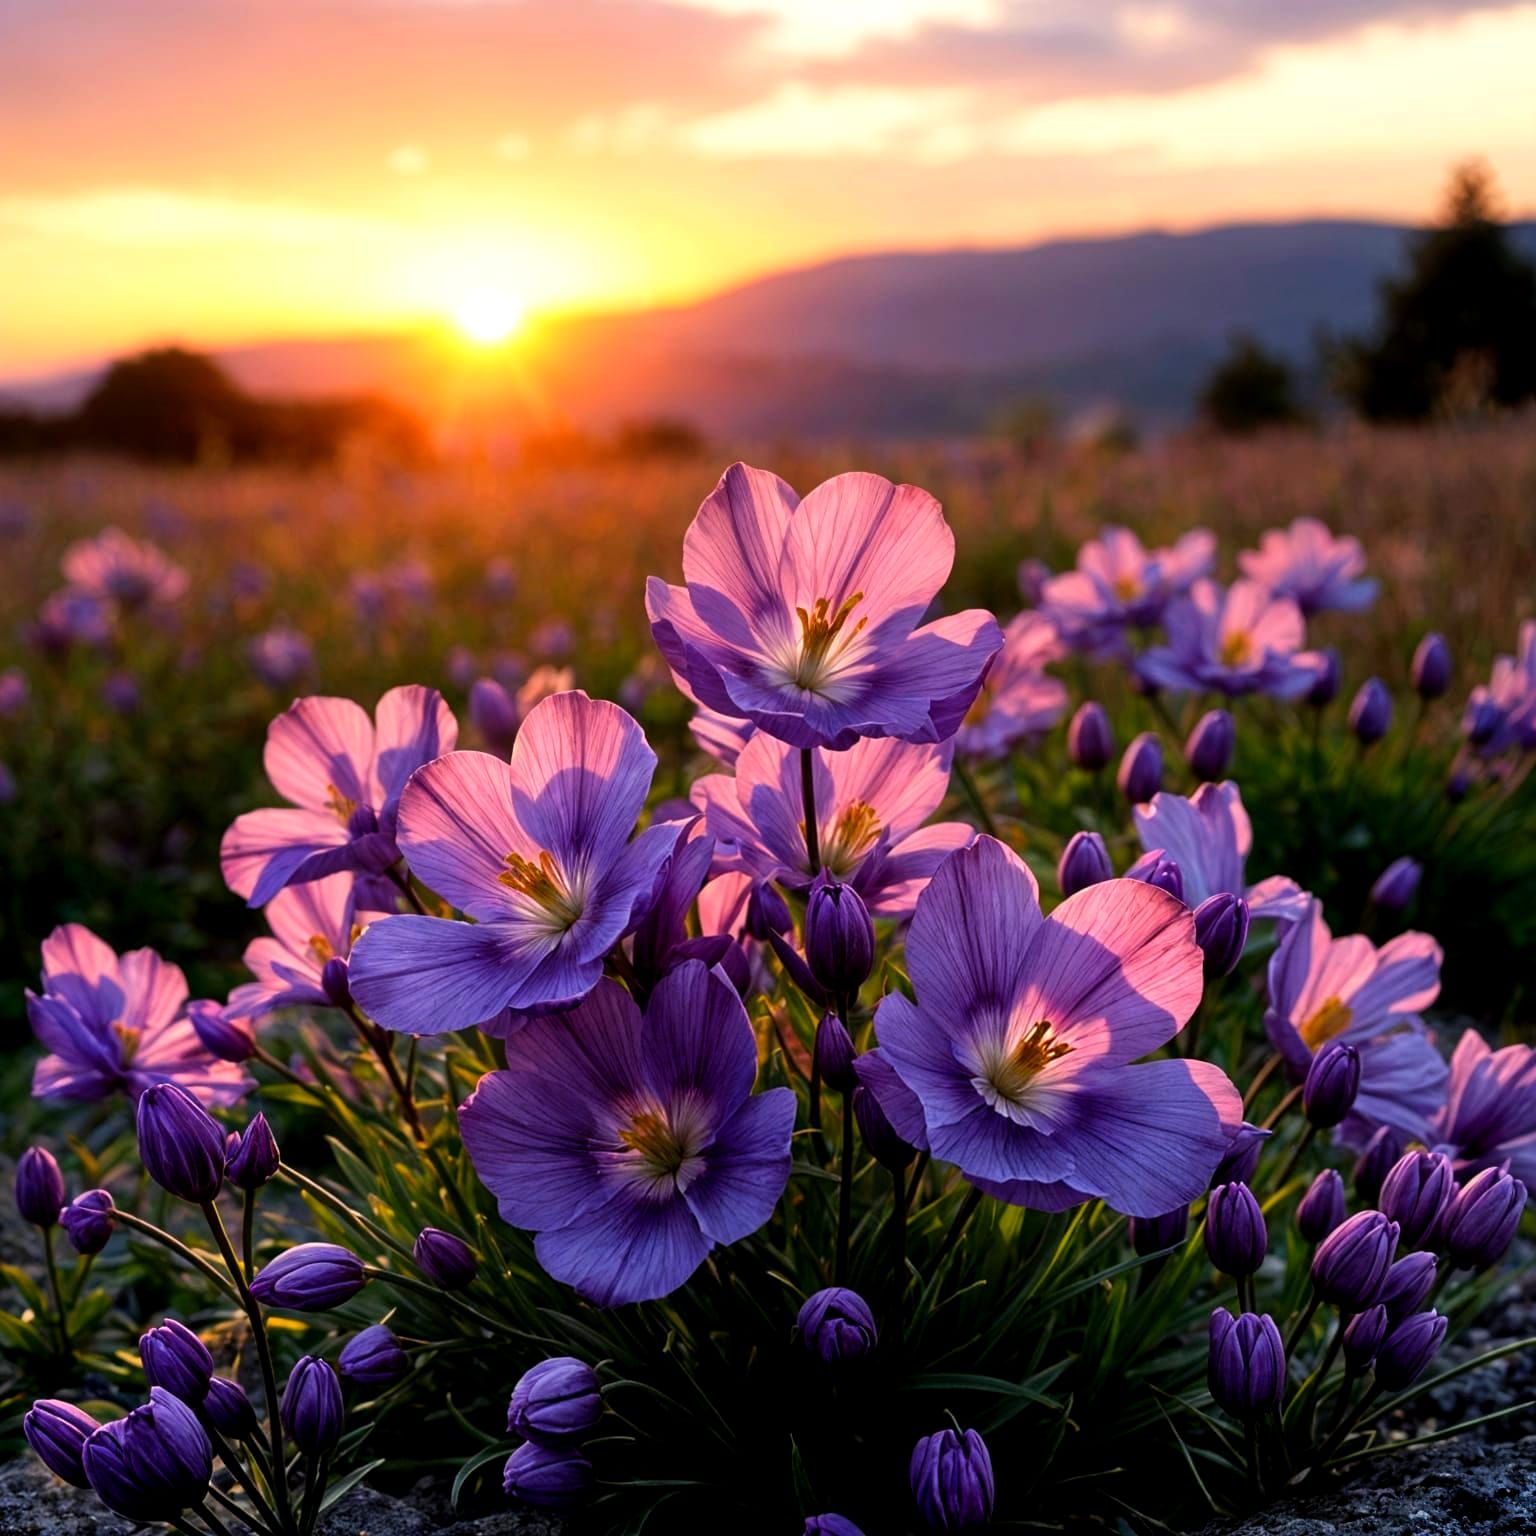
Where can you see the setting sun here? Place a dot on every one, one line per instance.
(487, 316)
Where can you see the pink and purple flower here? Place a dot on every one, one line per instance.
(1019, 700)
(122, 570)
(1306, 563)
(1489, 1119)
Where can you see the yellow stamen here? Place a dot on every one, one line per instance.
(320, 947)
(1126, 587)
(1330, 1021)
(1237, 649)
(542, 883)
(341, 805)
(1010, 1073)
(128, 1037)
(668, 1155)
(851, 836)
(819, 628)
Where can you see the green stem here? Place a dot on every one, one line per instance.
(1269, 1122)
(1294, 1338)
(808, 803)
(378, 1041)
(973, 794)
(342, 1209)
(192, 1257)
(315, 1470)
(1301, 1146)
(406, 889)
(958, 1225)
(1261, 1077)
(844, 1197)
(61, 1315)
(238, 1470)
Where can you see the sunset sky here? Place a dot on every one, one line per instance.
(231, 170)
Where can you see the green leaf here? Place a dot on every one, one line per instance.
(337, 1491)
(479, 1459)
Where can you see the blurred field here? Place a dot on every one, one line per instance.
(117, 814)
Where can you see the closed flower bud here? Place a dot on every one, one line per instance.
(493, 712)
(1235, 1235)
(228, 1409)
(373, 1358)
(546, 1477)
(1084, 862)
(176, 1359)
(336, 983)
(1431, 670)
(835, 1054)
(1482, 721)
(1397, 884)
(1156, 868)
(1332, 1082)
(89, 1221)
(230, 1039)
(312, 1408)
(1221, 931)
(1458, 785)
(1482, 1219)
(1362, 1338)
(39, 1187)
(1408, 1284)
(1246, 1368)
(57, 1432)
(830, 1525)
(313, 1277)
(152, 1464)
(1152, 1234)
(1141, 768)
(1208, 751)
(1408, 1348)
(251, 1157)
(951, 1474)
(1351, 1263)
(1090, 740)
(839, 936)
(555, 1401)
(1325, 685)
(836, 1324)
(444, 1259)
(1240, 1161)
(1375, 1163)
(767, 911)
(180, 1144)
(1370, 713)
(1322, 1207)
(880, 1138)
(1415, 1194)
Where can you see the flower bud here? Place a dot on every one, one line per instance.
(835, 1055)
(836, 1324)
(312, 1408)
(39, 1187)
(1415, 1194)
(1458, 785)
(1408, 1349)
(1397, 884)
(1370, 713)
(830, 1525)
(1352, 1261)
(180, 1145)
(228, 1409)
(1408, 1284)
(57, 1431)
(89, 1221)
(493, 712)
(1221, 931)
(1208, 751)
(839, 936)
(152, 1464)
(1152, 1234)
(1240, 1161)
(1090, 740)
(546, 1477)
(1431, 670)
(555, 1401)
(1141, 768)
(373, 1358)
(1481, 1221)
(767, 911)
(1332, 1082)
(1084, 862)
(312, 1277)
(230, 1039)
(1322, 1207)
(1375, 1163)
(1363, 1334)
(363, 822)
(1235, 1235)
(176, 1359)
(1246, 1370)
(880, 1138)
(1156, 868)
(1482, 721)
(951, 1475)
(251, 1157)
(444, 1259)
(336, 982)
(1325, 685)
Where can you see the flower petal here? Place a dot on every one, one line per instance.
(631, 1249)
(317, 746)
(746, 1169)
(697, 1042)
(414, 727)
(263, 850)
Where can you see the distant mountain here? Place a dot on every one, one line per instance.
(906, 342)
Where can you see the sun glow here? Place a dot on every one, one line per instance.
(487, 316)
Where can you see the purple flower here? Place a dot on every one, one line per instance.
(1236, 1238)
(180, 1144)
(1406, 1351)
(57, 1431)
(1322, 989)
(1020, 1046)
(721, 736)
(830, 1525)
(546, 1477)
(1362, 1338)
(802, 616)
(115, 1023)
(1431, 669)
(152, 1464)
(1208, 749)
(493, 713)
(1209, 835)
(70, 618)
(1408, 1284)
(1416, 1195)
(39, 1187)
(1307, 563)
(1351, 1263)
(1502, 714)
(835, 1055)
(1221, 930)
(89, 1221)
(1246, 1371)
(1119, 583)
(1489, 1118)
(1325, 682)
(1370, 711)
(839, 936)
(228, 1409)
(1242, 640)
(447, 1261)
(1397, 884)
(1083, 862)
(1332, 1082)
(121, 570)
(312, 1407)
(1156, 868)
(280, 656)
(633, 1145)
(1375, 1162)
(311, 1277)
(251, 1157)
(555, 1401)
(1141, 768)
(1480, 1222)
(836, 1325)
(872, 803)
(1090, 736)
(176, 1359)
(1240, 1161)
(15, 690)
(951, 1476)
(881, 1139)
(1018, 701)
(373, 1358)
(342, 774)
(1322, 1208)
(538, 852)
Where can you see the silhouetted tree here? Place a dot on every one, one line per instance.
(1460, 327)
(167, 404)
(1250, 389)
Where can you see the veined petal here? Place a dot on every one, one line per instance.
(1406, 979)
(697, 1042)
(76, 1042)
(153, 990)
(319, 749)
(83, 970)
(630, 1249)
(735, 543)
(907, 867)
(316, 909)
(263, 850)
(414, 726)
(746, 1168)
